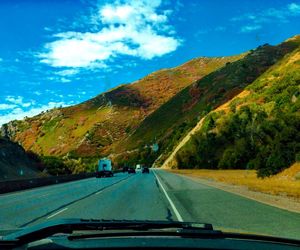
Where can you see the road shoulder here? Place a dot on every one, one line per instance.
(286, 203)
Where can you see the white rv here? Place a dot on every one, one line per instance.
(104, 168)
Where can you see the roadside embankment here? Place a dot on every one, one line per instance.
(281, 190)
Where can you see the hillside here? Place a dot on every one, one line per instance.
(258, 129)
(172, 121)
(144, 121)
(93, 128)
(15, 163)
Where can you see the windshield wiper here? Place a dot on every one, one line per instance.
(68, 226)
(116, 227)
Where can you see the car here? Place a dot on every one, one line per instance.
(125, 169)
(145, 170)
(131, 171)
(104, 174)
(104, 168)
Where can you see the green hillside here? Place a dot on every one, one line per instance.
(168, 124)
(129, 121)
(93, 128)
(258, 130)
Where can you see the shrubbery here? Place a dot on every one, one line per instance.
(66, 165)
(55, 165)
(259, 131)
(247, 139)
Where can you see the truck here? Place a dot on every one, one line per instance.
(104, 168)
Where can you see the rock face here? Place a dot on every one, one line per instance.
(4, 131)
(15, 162)
(8, 130)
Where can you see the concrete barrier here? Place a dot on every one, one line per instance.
(16, 185)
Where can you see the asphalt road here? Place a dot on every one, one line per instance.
(159, 195)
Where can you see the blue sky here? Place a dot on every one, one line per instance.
(62, 52)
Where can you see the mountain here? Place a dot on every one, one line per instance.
(257, 129)
(15, 163)
(94, 127)
(144, 121)
(174, 119)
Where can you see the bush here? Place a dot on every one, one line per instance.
(55, 165)
(297, 157)
(247, 139)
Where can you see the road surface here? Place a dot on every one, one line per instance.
(159, 195)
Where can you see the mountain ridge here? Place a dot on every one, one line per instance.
(258, 129)
(91, 127)
(155, 112)
(205, 95)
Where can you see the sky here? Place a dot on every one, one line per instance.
(57, 53)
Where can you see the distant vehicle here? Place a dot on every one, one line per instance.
(138, 166)
(131, 171)
(145, 170)
(104, 168)
(125, 169)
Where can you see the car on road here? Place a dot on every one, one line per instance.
(104, 168)
(125, 169)
(131, 171)
(145, 170)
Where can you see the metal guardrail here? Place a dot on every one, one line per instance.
(22, 184)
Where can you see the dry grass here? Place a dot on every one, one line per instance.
(286, 183)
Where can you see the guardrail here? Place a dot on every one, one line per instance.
(22, 184)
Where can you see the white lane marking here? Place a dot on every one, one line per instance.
(169, 199)
(99, 192)
(60, 211)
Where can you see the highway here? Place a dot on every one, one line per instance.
(159, 195)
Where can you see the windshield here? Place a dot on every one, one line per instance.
(151, 110)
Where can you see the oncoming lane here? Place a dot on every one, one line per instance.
(19, 208)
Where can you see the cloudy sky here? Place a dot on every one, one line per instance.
(61, 52)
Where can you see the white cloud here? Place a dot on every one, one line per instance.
(58, 79)
(5, 106)
(131, 28)
(47, 29)
(64, 80)
(18, 113)
(15, 100)
(67, 72)
(249, 28)
(38, 93)
(18, 101)
(294, 8)
(26, 104)
(255, 20)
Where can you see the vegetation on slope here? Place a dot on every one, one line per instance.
(92, 128)
(259, 130)
(175, 118)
